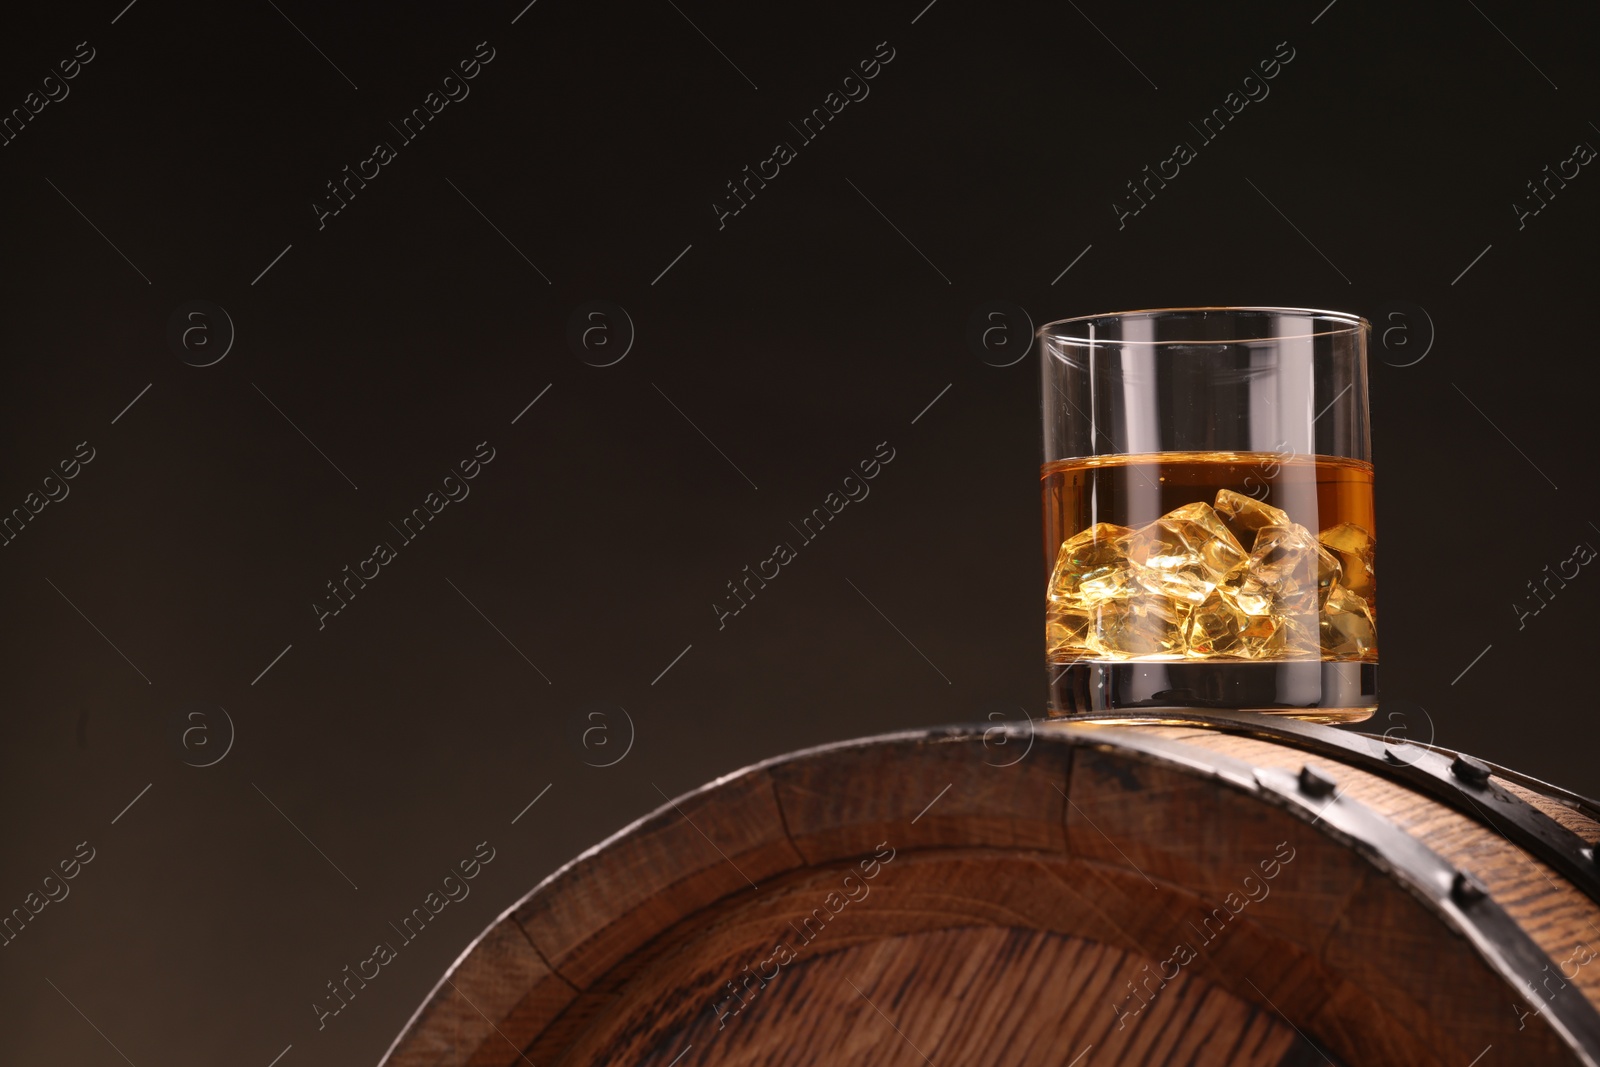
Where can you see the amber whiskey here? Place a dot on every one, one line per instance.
(1246, 561)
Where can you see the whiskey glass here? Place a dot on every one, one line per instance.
(1208, 516)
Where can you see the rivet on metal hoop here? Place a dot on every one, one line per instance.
(1466, 890)
(1314, 783)
(1471, 770)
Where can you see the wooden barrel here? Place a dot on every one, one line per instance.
(1216, 889)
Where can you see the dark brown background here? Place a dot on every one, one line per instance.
(797, 338)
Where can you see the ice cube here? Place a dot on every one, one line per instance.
(1347, 629)
(1220, 627)
(1139, 626)
(1066, 633)
(1251, 594)
(1291, 565)
(1091, 566)
(1354, 547)
(1185, 553)
(1245, 515)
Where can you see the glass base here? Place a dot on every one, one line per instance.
(1318, 690)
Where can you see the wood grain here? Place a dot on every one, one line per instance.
(495, 1001)
(700, 848)
(885, 1005)
(930, 898)
(921, 793)
(1561, 920)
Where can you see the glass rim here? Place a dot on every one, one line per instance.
(1350, 323)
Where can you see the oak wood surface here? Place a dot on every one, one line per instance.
(932, 897)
